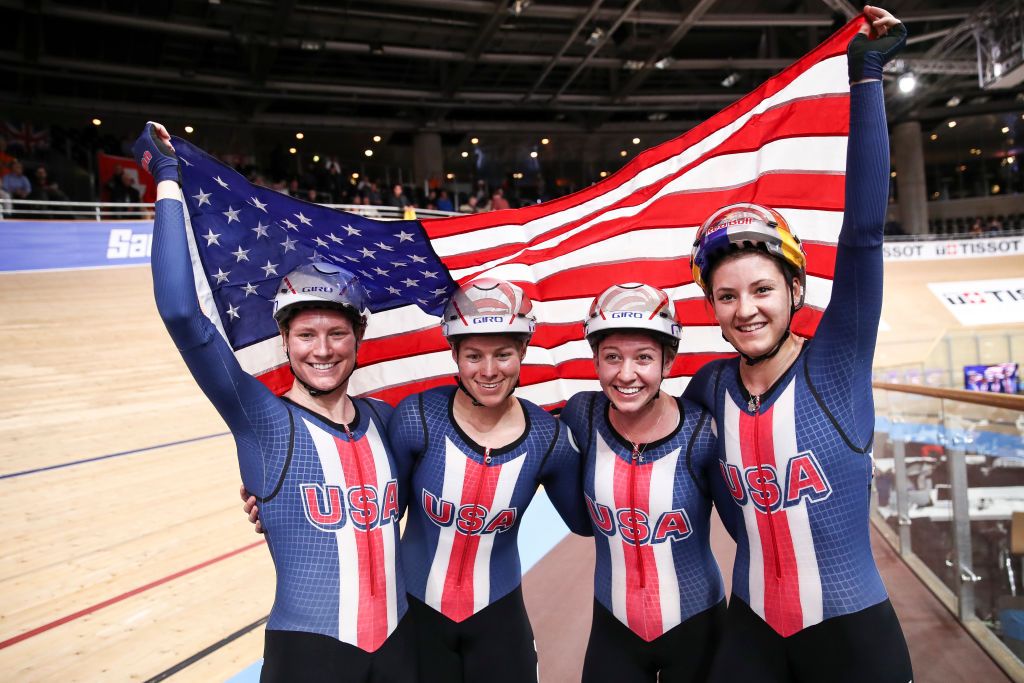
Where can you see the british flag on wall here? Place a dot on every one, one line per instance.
(25, 137)
(782, 145)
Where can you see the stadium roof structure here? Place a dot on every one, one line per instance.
(456, 66)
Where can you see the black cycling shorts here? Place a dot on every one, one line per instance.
(863, 646)
(683, 654)
(296, 656)
(495, 645)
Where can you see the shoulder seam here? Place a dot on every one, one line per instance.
(287, 460)
(551, 446)
(590, 422)
(423, 421)
(831, 418)
(373, 409)
(689, 451)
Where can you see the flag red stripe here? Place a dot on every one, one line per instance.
(674, 210)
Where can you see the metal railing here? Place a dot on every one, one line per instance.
(949, 497)
(27, 209)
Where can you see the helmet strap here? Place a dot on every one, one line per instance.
(458, 381)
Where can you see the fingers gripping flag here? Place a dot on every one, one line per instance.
(783, 145)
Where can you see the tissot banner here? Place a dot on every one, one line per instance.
(939, 250)
(983, 302)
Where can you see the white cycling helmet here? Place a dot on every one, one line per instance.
(633, 306)
(488, 306)
(320, 284)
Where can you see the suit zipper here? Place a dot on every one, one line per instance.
(755, 401)
(476, 499)
(632, 504)
(362, 488)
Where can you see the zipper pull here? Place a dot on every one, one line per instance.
(754, 404)
(636, 452)
(487, 456)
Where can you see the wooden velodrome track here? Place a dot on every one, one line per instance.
(126, 556)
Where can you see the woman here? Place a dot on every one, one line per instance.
(317, 459)
(659, 603)
(796, 420)
(477, 455)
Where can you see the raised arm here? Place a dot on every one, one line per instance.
(844, 345)
(239, 398)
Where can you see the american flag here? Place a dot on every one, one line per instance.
(782, 145)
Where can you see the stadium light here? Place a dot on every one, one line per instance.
(189, 129)
(474, 140)
(368, 152)
(544, 141)
(636, 141)
(97, 122)
(951, 124)
(292, 150)
(906, 83)
(533, 155)
(376, 138)
(465, 154)
(622, 153)
(316, 158)
(299, 136)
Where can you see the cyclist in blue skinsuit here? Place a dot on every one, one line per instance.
(317, 459)
(659, 603)
(477, 455)
(795, 421)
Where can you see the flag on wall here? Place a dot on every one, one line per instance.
(25, 137)
(782, 145)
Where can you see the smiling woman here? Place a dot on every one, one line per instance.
(648, 458)
(477, 455)
(308, 456)
(796, 419)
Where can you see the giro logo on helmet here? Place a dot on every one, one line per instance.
(487, 319)
(325, 290)
(627, 314)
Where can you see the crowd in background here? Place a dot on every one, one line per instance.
(70, 154)
(15, 183)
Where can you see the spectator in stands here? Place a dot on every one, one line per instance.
(994, 224)
(498, 201)
(482, 195)
(398, 198)
(470, 205)
(16, 184)
(46, 191)
(121, 190)
(977, 228)
(443, 202)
